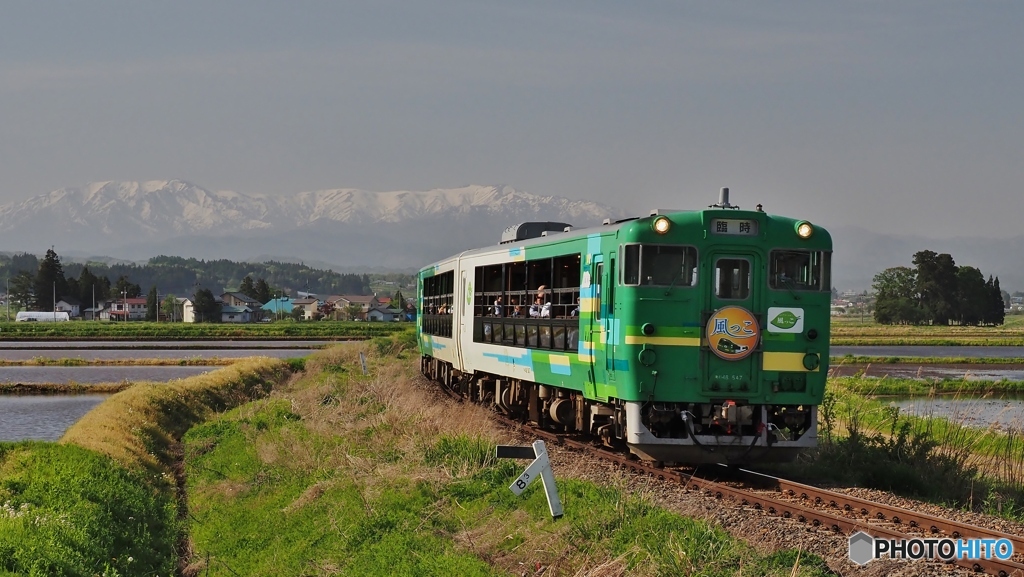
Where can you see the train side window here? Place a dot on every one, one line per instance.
(667, 265)
(438, 300)
(799, 270)
(732, 278)
(631, 264)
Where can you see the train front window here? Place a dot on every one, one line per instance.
(659, 265)
(732, 278)
(802, 270)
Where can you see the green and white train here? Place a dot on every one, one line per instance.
(692, 336)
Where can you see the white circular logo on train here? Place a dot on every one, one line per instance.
(733, 333)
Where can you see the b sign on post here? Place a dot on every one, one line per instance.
(540, 467)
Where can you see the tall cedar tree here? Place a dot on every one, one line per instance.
(49, 283)
(996, 312)
(207, 309)
(263, 292)
(152, 305)
(124, 288)
(248, 287)
(936, 285)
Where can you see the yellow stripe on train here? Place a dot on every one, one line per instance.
(793, 362)
(671, 341)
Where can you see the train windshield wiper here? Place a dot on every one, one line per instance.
(672, 284)
(789, 284)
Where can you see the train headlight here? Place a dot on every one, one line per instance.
(661, 224)
(804, 229)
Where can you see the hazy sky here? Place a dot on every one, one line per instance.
(896, 116)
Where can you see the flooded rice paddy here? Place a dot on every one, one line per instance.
(42, 417)
(1003, 414)
(46, 417)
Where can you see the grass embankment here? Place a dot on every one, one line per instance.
(139, 330)
(346, 474)
(104, 500)
(864, 441)
(922, 385)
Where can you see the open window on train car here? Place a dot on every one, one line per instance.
(803, 270)
(515, 322)
(659, 265)
(438, 300)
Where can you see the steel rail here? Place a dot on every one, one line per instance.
(789, 509)
(881, 511)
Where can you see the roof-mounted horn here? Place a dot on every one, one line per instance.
(723, 201)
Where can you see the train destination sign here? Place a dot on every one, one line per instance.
(734, 226)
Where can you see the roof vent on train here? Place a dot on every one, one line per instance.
(723, 201)
(525, 230)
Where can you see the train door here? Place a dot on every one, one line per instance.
(464, 309)
(732, 332)
(595, 332)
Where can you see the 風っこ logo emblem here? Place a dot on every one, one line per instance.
(733, 333)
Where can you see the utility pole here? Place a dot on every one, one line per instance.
(54, 301)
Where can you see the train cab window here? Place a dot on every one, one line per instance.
(659, 265)
(732, 278)
(802, 270)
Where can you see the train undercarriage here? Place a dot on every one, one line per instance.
(721, 431)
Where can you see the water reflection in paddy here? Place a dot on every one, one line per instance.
(42, 417)
(101, 374)
(163, 344)
(931, 372)
(102, 354)
(1004, 413)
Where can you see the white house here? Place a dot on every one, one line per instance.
(69, 305)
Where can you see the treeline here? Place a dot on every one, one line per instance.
(937, 292)
(33, 282)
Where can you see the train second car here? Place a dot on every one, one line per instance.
(691, 336)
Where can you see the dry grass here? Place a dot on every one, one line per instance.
(392, 405)
(140, 427)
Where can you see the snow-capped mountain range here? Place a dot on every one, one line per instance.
(136, 220)
(356, 229)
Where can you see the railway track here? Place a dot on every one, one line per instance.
(816, 507)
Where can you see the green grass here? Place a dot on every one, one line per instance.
(346, 474)
(103, 500)
(254, 518)
(65, 510)
(894, 386)
(864, 441)
(852, 332)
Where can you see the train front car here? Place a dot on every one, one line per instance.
(722, 318)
